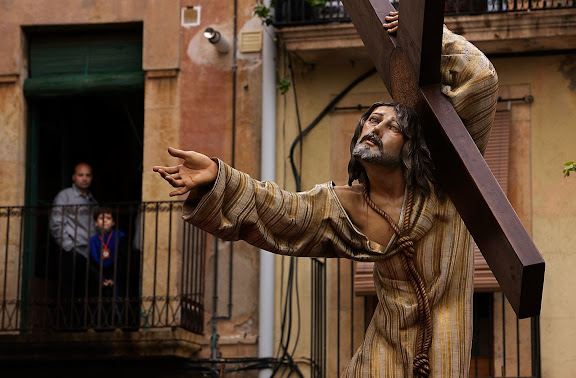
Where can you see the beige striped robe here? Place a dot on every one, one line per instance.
(314, 223)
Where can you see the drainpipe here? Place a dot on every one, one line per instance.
(268, 168)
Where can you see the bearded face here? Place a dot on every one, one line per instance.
(375, 154)
(396, 140)
(381, 139)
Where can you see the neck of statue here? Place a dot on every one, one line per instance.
(385, 182)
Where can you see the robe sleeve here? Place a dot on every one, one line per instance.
(470, 81)
(259, 212)
(311, 223)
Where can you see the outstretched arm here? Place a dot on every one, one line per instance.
(231, 205)
(311, 223)
(195, 175)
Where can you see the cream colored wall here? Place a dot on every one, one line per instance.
(316, 86)
(552, 81)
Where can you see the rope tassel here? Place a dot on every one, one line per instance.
(405, 244)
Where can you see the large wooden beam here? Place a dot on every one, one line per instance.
(420, 35)
(463, 173)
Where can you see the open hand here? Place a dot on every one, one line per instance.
(392, 23)
(197, 171)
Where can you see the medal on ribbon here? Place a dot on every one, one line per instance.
(105, 249)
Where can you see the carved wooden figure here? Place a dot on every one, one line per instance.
(409, 65)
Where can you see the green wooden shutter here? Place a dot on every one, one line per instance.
(84, 62)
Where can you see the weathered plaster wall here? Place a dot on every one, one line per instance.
(206, 125)
(188, 104)
(161, 20)
(551, 80)
(12, 144)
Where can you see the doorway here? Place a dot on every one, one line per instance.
(85, 99)
(104, 131)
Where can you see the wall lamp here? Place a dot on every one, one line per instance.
(215, 38)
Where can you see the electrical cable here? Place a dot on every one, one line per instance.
(293, 261)
(297, 108)
(252, 363)
(286, 317)
(301, 153)
(287, 310)
(299, 321)
(320, 116)
(283, 353)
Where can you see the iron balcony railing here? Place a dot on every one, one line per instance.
(155, 278)
(299, 12)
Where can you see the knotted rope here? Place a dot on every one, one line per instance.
(421, 363)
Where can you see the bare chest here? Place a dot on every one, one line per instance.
(372, 224)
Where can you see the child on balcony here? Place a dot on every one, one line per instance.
(105, 269)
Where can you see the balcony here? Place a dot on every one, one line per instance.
(52, 298)
(298, 12)
(324, 34)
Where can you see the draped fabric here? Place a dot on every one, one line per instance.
(314, 223)
(471, 83)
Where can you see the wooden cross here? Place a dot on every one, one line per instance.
(409, 65)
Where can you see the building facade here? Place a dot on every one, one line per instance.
(115, 82)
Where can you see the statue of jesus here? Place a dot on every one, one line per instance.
(392, 212)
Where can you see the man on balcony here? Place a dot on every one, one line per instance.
(71, 226)
(396, 216)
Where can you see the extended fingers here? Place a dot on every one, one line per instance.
(392, 27)
(177, 153)
(175, 180)
(165, 170)
(391, 16)
(179, 192)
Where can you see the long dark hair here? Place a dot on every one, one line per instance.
(415, 157)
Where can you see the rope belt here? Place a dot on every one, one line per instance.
(421, 363)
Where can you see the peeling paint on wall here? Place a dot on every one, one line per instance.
(568, 69)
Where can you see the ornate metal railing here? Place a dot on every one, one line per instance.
(156, 273)
(299, 12)
(318, 318)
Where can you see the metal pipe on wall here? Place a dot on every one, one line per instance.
(268, 173)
